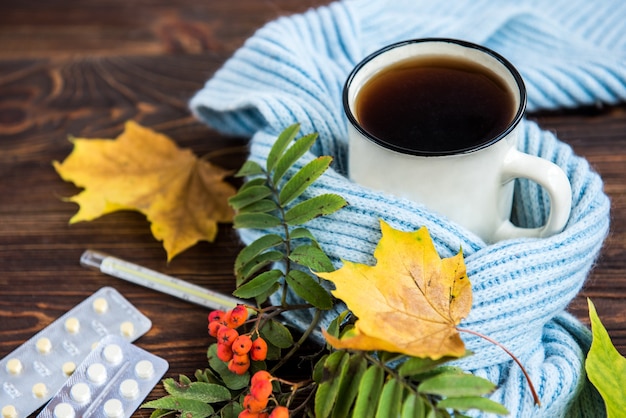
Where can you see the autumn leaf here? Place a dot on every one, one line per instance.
(182, 196)
(606, 367)
(409, 302)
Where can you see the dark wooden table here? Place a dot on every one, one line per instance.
(83, 69)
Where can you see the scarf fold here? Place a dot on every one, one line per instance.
(569, 52)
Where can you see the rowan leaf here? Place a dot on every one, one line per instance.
(369, 392)
(308, 289)
(182, 196)
(299, 182)
(410, 302)
(606, 368)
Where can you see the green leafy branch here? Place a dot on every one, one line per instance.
(361, 384)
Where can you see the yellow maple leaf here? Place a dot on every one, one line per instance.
(182, 196)
(410, 302)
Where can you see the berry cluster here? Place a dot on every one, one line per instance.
(256, 401)
(232, 348)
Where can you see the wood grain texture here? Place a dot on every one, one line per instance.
(83, 68)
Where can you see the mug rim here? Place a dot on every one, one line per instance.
(521, 108)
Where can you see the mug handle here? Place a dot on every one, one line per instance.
(552, 178)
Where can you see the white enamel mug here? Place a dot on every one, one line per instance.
(472, 185)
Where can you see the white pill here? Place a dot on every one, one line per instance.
(127, 329)
(80, 393)
(40, 390)
(129, 389)
(113, 408)
(64, 410)
(100, 305)
(97, 373)
(113, 354)
(72, 325)
(14, 366)
(68, 368)
(43, 345)
(9, 411)
(144, 369)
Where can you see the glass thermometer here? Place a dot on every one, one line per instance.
(142, 276)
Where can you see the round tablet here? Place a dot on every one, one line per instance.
(43, 345)
(129, 389)
(64, 410)
(14, 366)
(144, 369)
(127, 329)
(68, 368)
(113, 408)
(80, 393)
(113, 354)
(9, 411)
(100, 305)
(40, 390)
(72, 325)
(97, 373)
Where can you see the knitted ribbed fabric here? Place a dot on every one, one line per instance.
(570, 53)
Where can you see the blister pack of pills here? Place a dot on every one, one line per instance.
(110, 383)
(34, 371)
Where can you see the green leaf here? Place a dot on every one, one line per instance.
(232, 410)
(255, 248)
(309, 289)
(277, 334)
(300, 233)
(314, 207)
(257, 263)
(312, 257)
(390, 399)
(231, 380)
(258, 181)
(466, 403)
(299, 182)
(187, 407)
(160, 413)
(456, 384)
(369, 392)
(349, 386)
(255, 221)
(318, 369)
(418, 365)
(284, 138)
(259, 285)
(260, 299)
(249, 168)
(206, 376)
(199, 391)
(249, 196)
(413, 407)
(297, 150)
(335, 324)
(262, 206)
(606, 368)
(335, 367)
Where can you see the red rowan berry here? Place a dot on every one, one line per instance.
(258, 351)
(226, 336)
(236, 316)
(280, 412)
(264, 415)
(216, 316)
(242, 345)
(224, 352)
(214, 327)
(252, 404)
(259, 376)
(238, 367)
(247, 414)
(243, 360)
(261, 389)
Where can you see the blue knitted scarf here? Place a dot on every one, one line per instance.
(570, 53)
